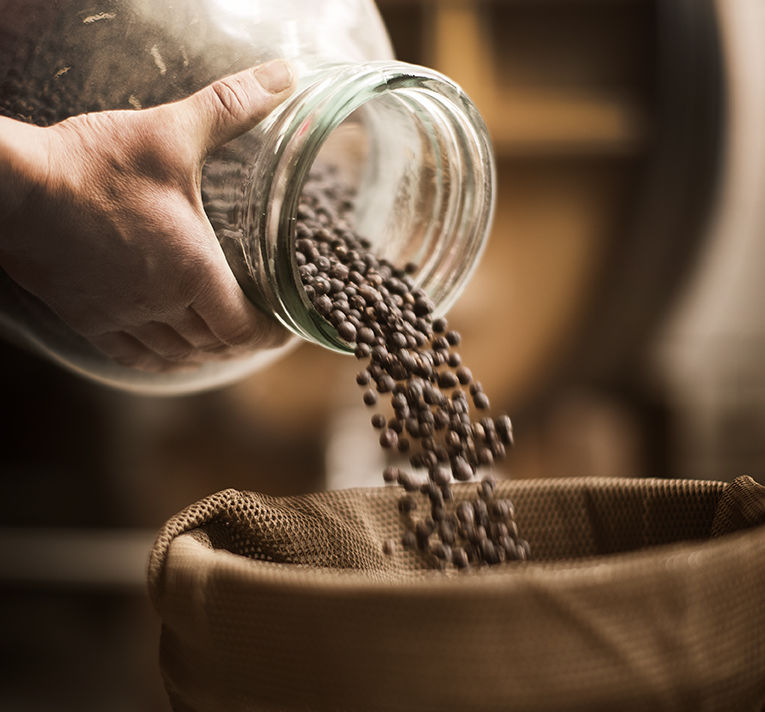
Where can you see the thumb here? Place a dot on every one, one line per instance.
(232, 105)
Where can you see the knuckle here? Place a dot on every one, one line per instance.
(214, 348)
(129, 360)
(194, 277)
(278, 336)
(230, 100)
(85, 325)
(178, 355)
(149, 362)
(271, 334)
(238, 335)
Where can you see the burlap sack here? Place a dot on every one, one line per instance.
(643, 595)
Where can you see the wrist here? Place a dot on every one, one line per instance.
(23, 166)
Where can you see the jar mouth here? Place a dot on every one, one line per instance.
(426, 194)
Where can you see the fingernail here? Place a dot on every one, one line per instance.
(274, 76)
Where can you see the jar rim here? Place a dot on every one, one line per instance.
(298, 131)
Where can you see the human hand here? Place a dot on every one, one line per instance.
(101, 218)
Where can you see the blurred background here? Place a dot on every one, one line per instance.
(618, 316)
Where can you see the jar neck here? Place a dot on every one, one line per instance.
(428, 192)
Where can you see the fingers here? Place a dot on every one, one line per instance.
(232, 105)
(128, 351)
(163, 340)
(158, 347)
(232, 318)
(195, 331)
(189, 341)
(180, 338)
(199, 315)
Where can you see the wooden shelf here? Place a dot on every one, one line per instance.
(543, 88)
(543, 123)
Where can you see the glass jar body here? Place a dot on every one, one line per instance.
(408, 139)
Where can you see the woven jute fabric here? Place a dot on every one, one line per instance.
(642, 595)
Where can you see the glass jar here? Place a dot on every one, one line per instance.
(405, 137)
